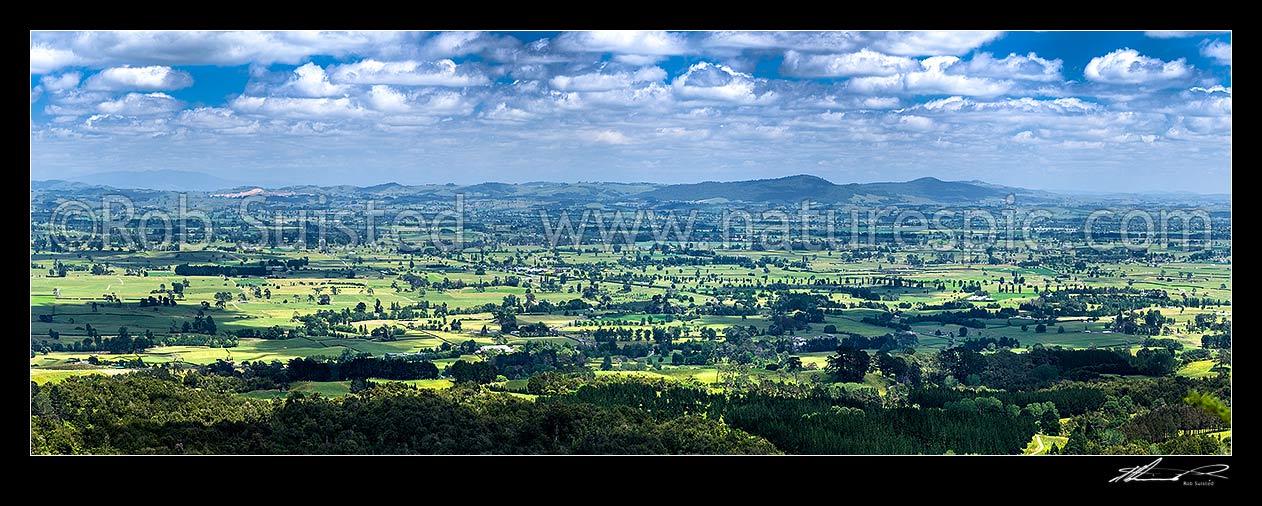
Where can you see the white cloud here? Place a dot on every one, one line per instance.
(386, 99)
(66, 81)
(948, 104)
(847, 102)
(1218, 50)
(46, 58)
(1217, 88)
(452, 44)
(503, 113)
(301, 108)
(651, 97)
(878, 102)
(51, 51)
(613, 137)
(1214, 101)
(127, 125)
(932, 79)
(955, 42)
(216, 118)
(152, 78)
(1069, 105)
(310, 80)
(597, 81)
(870, 100)
(715, 82)
(937, 43)
(140, 104)
(1127, 66)
(1077, 144)
(1029, 67)
(862, 63)
(1024, 137)
(637, 59)
(829, 42)
(75, 102)
(1175, 34)
(443, 103)
(915, 123)
(623, 41)
(408, 73)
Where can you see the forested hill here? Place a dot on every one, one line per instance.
(815, 188)
(791, 189)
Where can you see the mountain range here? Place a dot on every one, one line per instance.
(171, 180)
(925, 190)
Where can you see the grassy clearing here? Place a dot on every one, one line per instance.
(325, 388)
(1198, 369)
(1034, 448)
(53, 376)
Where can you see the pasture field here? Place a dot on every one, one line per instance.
(463, 293)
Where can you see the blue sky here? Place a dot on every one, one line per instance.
(1124, 111)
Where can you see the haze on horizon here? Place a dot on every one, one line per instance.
(1105, 111)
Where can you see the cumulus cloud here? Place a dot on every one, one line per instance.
(1214, 101)
(51, 51)
(715, 82)
(1127, 66)
(955, 42)
(869, 99)
(931, 79)
(503, 113)
(598, 81)
(933, 43)
(310, 80)
(446, 103)
(1029, 67)
(47, 58)
(915, 123)
(1025, 104)
(75, 102)
(1024, 137)
(216, 118)
(623, 41)
(1219, 51)
(152, 78)
(454, 44)
(386, 99)
(302, 108)
(833, 42)
(55, 83)
(140, 104)
(1176, 34)
(862, 63)
(408, 73)
(613, 137)
(637, 59)
(127, 125)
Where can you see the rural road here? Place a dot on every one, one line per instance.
(1040, 442)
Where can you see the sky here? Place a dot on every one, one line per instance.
(1100, 111)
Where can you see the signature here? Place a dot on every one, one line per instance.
(1151, 472)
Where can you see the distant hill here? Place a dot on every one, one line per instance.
(58, 185)
(159, 180)
(932, 189)
(793, 188)
(758, 190)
